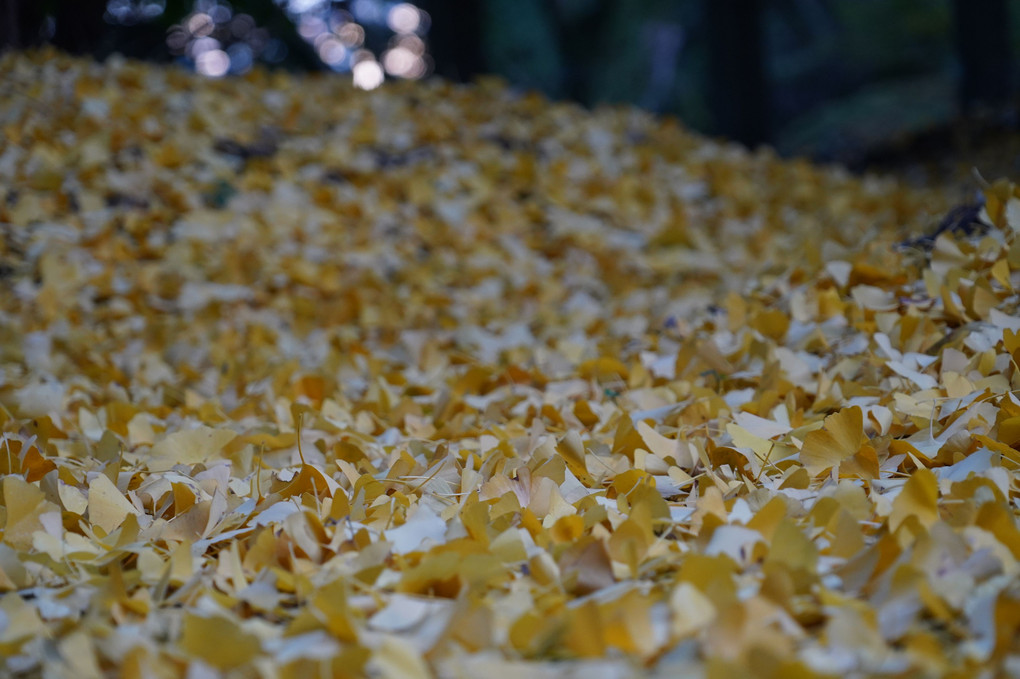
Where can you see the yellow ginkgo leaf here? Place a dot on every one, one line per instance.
(919, 497)
(107, 506)
(189, 447)
(840, 438)
(24, 504)
(218, 641)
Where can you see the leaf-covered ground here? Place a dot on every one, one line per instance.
(304, 381)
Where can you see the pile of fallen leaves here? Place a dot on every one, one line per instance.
(304, 381)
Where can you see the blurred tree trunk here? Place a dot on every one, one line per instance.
(982, 43)
(9, 34)
(20, 23)
(738, 91)
(580, 34)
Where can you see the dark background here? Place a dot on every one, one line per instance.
(924, 88)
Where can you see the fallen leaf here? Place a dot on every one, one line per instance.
(841, 438)
(107, 506)
(188, 447)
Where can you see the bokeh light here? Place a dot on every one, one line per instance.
(310, 27)
(369, 11)
(213, 63)
(200, 24)
(201, 46)
(404, 18)
(242, 57)
(412, 43)
(303, 6)
(220, 13)
(177, 40)
(351, 35)
(219, 42)
(130, 12)
(368, 74)
(339, 17)
(330, 50)
(242, 25)
(346, 36)
(403, 63)
(357, 56)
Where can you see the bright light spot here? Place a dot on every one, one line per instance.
(404, 18)
(200, 25)
(368, 75)
(214, 63)
(310, 26)
(302, 6)
(413, 43)
(351, 35)
(331, 51)
(404, 63)
(202, 45)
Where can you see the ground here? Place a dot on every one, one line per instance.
(300, 380)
